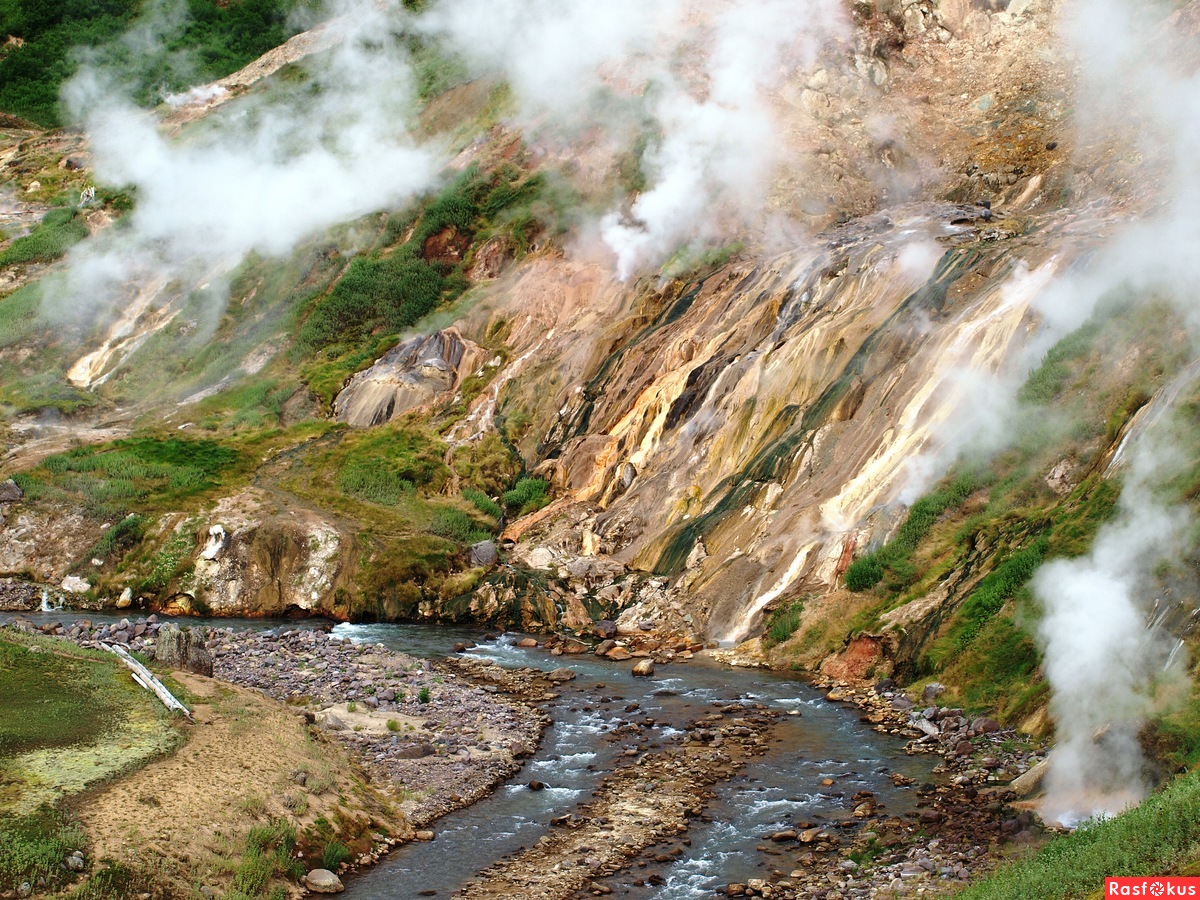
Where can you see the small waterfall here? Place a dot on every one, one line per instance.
(1171, 656)
(47, 605)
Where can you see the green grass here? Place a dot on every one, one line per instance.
(59, 230)
(893, 561)
(19, 315)
(1047, 381)
(70, 718)
(1151, 839)
(334, 854)
(528, 495)
(483, 503)
(457, 525)
(51, 701)
(137, 473)
(34, 846)
(783, 622)
(268, 855)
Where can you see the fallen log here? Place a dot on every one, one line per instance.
(147, 680)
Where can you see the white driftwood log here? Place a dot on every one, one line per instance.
(146, 679)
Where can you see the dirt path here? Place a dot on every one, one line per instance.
(189, 813)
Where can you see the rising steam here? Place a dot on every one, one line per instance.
(1100, 656)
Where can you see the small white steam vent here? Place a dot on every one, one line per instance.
(218, 540)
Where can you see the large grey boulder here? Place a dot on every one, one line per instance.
(10, 491)
(484, 554)
(182, 650)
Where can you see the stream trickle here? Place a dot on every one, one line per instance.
(820, 741)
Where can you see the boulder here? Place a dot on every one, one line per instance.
(605, 629)
(644, 668)
(484, 554)
(126, 599)
(560, 675)
(932, 691)
(183, 650)
(10, 491)
(73, 584)
(322, 881)
(618, 653)
(331, 722)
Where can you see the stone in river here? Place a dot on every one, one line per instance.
(322, 881)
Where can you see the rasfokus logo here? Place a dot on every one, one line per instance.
(1152, 887)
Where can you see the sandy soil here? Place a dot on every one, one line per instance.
(192, 810)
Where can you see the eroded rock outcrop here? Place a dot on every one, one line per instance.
(261, 562)
(418, 372)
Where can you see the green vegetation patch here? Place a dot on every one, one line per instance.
(893, 561)
(782, 623)
(71, 719)
(19, 314)
(33, 847)
(51, 701)
(1148, 840)
(388, 292)
(528, 495)
(215, 39)
(59, 230)
(111, 480)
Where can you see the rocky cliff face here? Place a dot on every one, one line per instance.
(716, 438)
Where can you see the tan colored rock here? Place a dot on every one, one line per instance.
(322, 881)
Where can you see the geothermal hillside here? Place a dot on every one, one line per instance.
(854, 338)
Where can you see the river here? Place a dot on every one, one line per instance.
(820, 741)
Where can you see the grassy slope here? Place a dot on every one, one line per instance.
(1158, 837)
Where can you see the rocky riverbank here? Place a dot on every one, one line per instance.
(443, 735)
(953, 835)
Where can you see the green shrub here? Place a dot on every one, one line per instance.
(423, 695)
(334, 855)
(483, 503)
(527, 495)
(392, 292)
(374, 482)
(455, 524)
(783, 622)
(393, 725)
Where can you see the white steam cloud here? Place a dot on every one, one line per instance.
(259, 177)
(1100, 656)
(694, 74)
